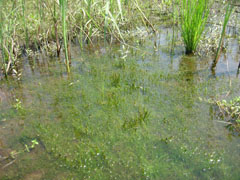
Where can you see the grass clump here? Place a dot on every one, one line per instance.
(194, 15)
(9, 48)
(230, 110)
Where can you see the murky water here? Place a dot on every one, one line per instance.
(137, 117)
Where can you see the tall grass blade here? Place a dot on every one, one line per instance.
(228, 13)
(63, 4)
(106, 21)
(24, 23)
(174, 15)
(115, 25)
(144, 16)
(90, 27)
(1, 36)
(120, 8)
(54, 14)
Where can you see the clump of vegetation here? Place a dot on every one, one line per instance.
(230, 111)
(51, 26)
(142, 117)
(194, 16)
(37, 25)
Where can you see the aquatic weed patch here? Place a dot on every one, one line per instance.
(229, 111)
(122, 122)
(116, 117)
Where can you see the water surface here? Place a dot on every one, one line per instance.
(120, 114)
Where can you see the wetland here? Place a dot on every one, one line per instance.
(138, 108)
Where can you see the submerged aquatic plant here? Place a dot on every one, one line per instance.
(141, 118)
(194, 15)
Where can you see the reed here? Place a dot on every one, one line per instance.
(2, 37)
(7, 29)
(145, 19)
(89, 18)
(34, 19)
(229, 10)
(39, 24)
(40, 9)
(40, 13)
(120, 9)
(174, 22)
(194, 15)
(54, 14)
(24, 23)
(106, 22)
(63, 5)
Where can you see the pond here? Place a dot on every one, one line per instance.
(122, 113)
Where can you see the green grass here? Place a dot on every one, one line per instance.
(24, 23)
(50, 25)
(1, 37)
(194, 15)
(9, 48)
(63, 5)
(229, 10)
(36, 24)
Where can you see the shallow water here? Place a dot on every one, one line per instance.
(137, 117)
